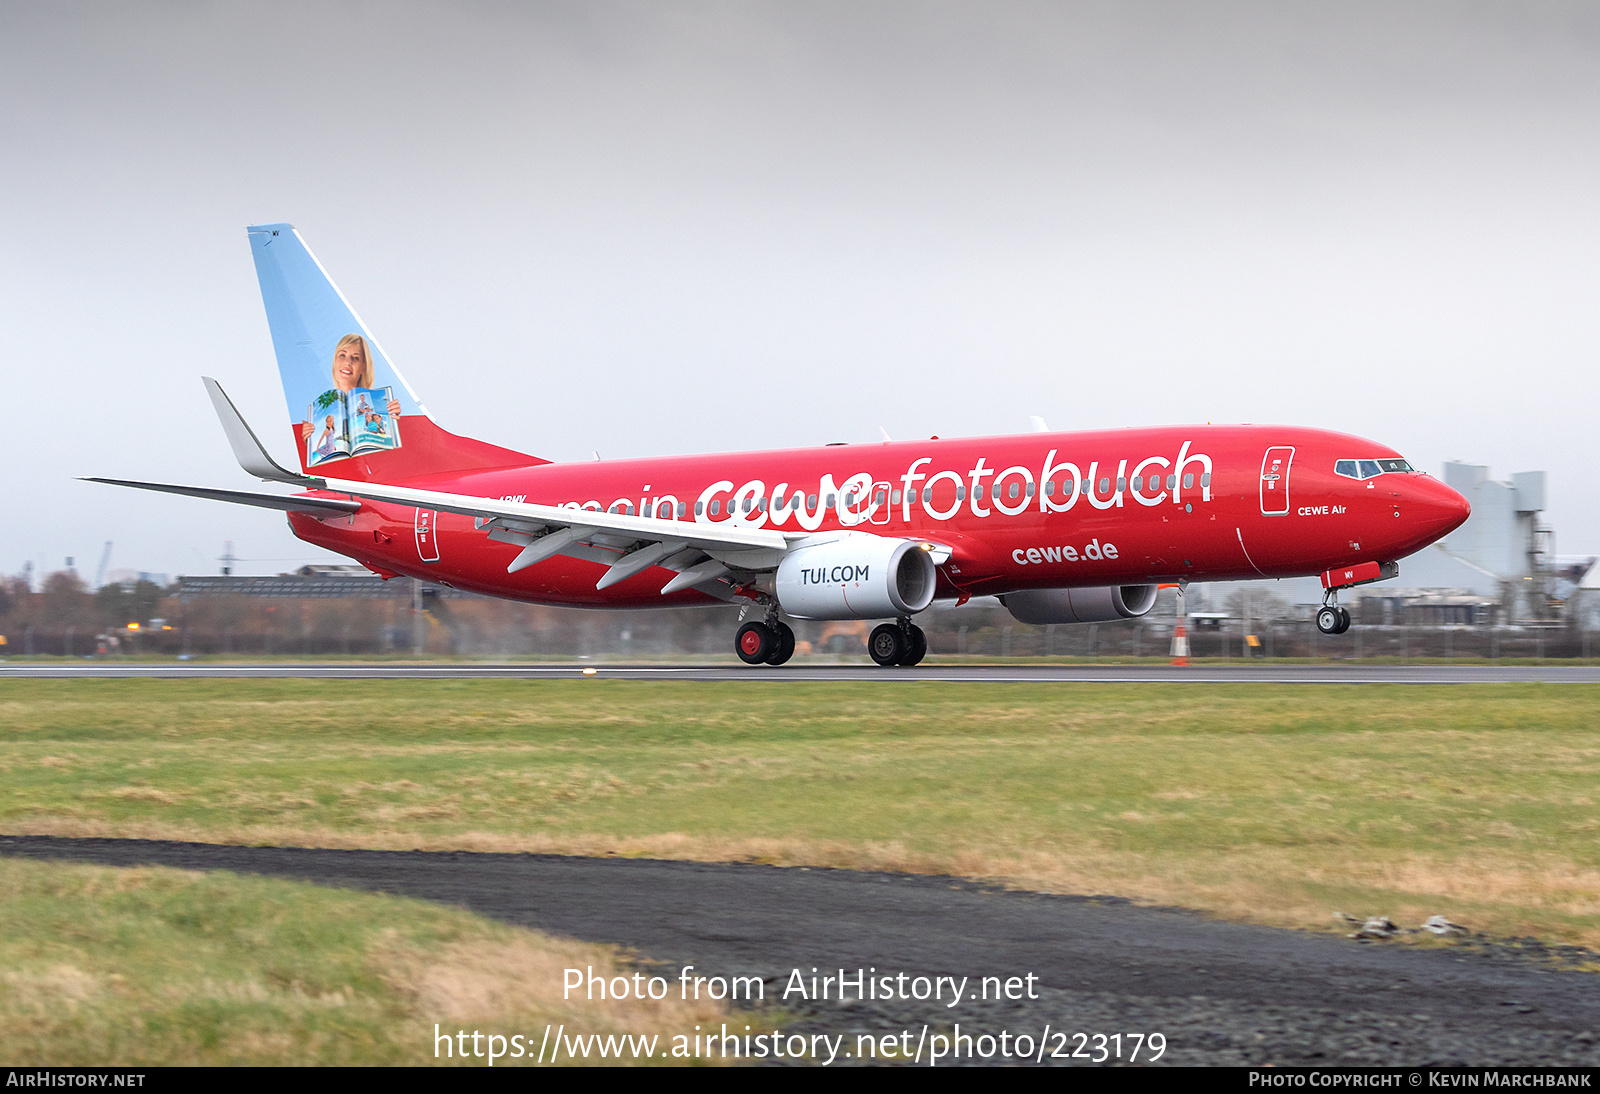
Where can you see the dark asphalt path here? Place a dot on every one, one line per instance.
(1220, 993)
(1154, 673)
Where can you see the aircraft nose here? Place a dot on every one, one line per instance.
(1436, 508)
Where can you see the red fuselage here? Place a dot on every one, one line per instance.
(1202, 503)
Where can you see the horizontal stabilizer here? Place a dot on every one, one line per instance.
(319, 507)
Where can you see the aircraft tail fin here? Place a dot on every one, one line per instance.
(353, 414)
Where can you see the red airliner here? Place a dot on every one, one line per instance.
(1062, 527)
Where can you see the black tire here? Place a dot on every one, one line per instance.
(783, 647)
(754, 643)
(887, 645)
(1328, 619)
(1344, 620)
(919, 647)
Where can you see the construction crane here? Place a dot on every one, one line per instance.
(105, 559)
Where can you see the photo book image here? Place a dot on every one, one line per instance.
(351, 423)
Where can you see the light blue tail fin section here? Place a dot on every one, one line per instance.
(308, 316)
(350, 406)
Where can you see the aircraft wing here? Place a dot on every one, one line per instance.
(710, 557)
(317, 507)
(247, 447)
(700, 553)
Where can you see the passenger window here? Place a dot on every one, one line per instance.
(1050, 489)
(761, 506)
(811, 501)
(961, 493)
(879, 499)
(1205, 479)
(1188, 481)
(1138, 482)
(1013, 491)
(1172, 482)
(894, 498)
(1105, 486)
(830, 501)
(699, 508)
(927, 494)
(1030, 490)
(1122, 482)
(977, 491)
(683, 510)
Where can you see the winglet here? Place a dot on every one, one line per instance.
(247, 447)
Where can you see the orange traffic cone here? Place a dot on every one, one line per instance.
(1180, 644)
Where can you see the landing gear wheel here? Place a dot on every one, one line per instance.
(918, 647)
(783, 643)
(1328, 619)
(888, 644)
(755, 643)
(1344, 619)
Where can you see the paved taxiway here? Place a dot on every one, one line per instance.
(1021, 673)
(1221, 993)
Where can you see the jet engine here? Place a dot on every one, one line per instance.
(856, 575)
(1098, 604)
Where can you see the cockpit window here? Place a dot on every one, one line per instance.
(1366, 469)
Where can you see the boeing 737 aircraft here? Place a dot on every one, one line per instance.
(1062, 527)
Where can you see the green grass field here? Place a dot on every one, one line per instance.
(1272, 804)
(150, 966)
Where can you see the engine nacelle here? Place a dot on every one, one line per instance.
(856, 575)
(1099, 604)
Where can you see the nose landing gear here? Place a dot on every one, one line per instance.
(900, 643)
(1332, 619)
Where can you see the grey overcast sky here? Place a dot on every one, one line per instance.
(651, 228)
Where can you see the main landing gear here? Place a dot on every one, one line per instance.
(765, 643)
(899, 643)
(1332, 619)
(771, 642)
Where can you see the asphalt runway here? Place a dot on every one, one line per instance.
(1219, 993)
(1346, 673)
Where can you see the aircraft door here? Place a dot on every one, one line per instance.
(427, 535)
(879, 503)
(1275, 480)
